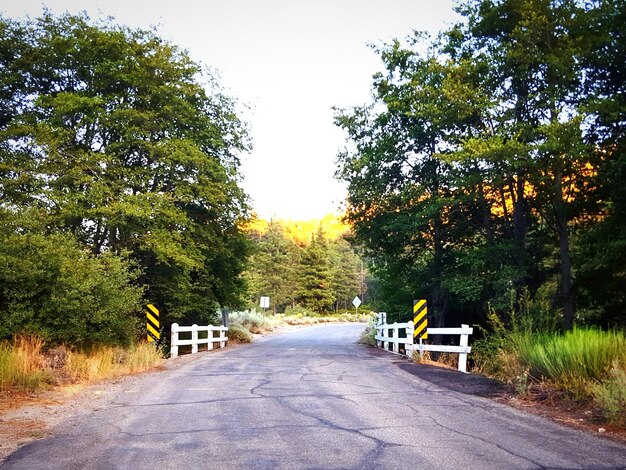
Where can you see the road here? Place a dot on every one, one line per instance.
(308, 399)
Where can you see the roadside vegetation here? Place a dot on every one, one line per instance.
(263, 323)
(584, 366)
(486, 174)
(27, 365)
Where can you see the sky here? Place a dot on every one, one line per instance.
(287, 62)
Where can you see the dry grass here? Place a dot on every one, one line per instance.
(22, 364)
(25, 365)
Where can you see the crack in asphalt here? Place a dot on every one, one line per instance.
(478, 438)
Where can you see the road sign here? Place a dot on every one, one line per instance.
(356, 301)
(265, 302)
(420, 319)
(152, 323)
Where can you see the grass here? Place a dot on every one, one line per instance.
(22, 364)
(25, 365)
(574, 360)
(586, 365)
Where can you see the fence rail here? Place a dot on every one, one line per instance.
(195, 340)
(383, 340)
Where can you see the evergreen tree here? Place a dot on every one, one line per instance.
(315, 276)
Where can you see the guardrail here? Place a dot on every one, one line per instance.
(383, 339)
(195, 339)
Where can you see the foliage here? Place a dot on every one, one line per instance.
(610, 395)
(249, 319)
(368, 336)
(491, 154)
(53, 287)
(22, 364)
(573, 360)
(272, 268)
(315, 276)
(26, 364)
(117, 138)
(238, 334)
(104, 362)
(322, 275)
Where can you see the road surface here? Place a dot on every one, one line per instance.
(308, 399)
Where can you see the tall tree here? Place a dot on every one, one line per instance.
(315, 276)
(124, 142)
(272, 268)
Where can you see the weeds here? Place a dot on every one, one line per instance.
(24, 364)
(610, 395)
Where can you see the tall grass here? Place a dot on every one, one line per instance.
(574, 360)
(25, 366)
(22, 364)
(104, 362)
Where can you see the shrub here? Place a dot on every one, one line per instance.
(238, 334)
(299, 311)
(51, 287)
(369, 335)
(610, 395)
(249, 319)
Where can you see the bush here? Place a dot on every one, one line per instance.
(299, 311)
(610, 395)
(369, 334)
(238, 334)
(248, 319)
(51, 287)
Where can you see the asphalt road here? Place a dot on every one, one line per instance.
(311, 398)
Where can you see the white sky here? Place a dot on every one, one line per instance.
(290, 61)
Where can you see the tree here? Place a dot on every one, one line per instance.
(474, 164)
(315, 276)
(346, 273)
(55, 288)
(120, 139)
(272, 268)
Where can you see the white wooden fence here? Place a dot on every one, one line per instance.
(195, 340)
(383, 339)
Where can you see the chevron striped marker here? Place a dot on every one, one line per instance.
(152, 323)
(420, 319)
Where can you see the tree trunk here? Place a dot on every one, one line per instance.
(567, 292)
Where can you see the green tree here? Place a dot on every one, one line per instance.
(346, 268)
(272, 268)
(55, 288)
(123, 141)
(315, 276)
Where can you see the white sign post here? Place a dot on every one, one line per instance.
(356, 302)
(265, 302)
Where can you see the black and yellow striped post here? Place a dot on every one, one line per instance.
(420, 319)
(152, 323)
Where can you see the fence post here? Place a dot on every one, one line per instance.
(408, 347)
(395, 333)
(385, 337)
(209, 333)
(174, 346)
(463, 356)
(194, 338)
(222, 337)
